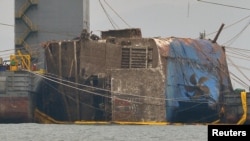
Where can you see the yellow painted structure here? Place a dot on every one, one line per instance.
(244, 106)
(19, 61)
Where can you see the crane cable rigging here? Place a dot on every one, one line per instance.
(108, 16)
(234, 51)
(73, 85)
(118, 98)
(115, 26)
(228, 50)
(117, 14)
(226, 27)
(225, 5)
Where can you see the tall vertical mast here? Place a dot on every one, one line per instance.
(86, 23)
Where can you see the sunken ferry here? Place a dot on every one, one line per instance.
(118, 77)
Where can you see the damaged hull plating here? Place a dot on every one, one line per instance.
(130, 78)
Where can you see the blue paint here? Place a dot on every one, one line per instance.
(185, 59)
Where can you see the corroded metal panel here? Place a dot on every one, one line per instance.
(137, 95)
(233, 109)
(122, 33)
(152, 79)
(17, 102)
(127, 108)
(97, 57)
(3, 84)
(62, 57)
(15, 109)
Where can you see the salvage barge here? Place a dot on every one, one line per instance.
(121, 76)
(16, 98)
(18, 90)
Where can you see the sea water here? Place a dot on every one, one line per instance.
(62, 132)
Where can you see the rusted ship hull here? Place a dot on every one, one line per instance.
(15, 109)
(124, 77)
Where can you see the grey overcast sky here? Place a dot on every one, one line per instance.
(164, 18)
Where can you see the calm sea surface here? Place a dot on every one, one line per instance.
(55, 132)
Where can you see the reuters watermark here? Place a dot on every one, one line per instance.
(226, 131)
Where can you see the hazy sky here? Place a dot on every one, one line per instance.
(165, 18)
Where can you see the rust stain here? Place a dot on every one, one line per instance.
(14, 109)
